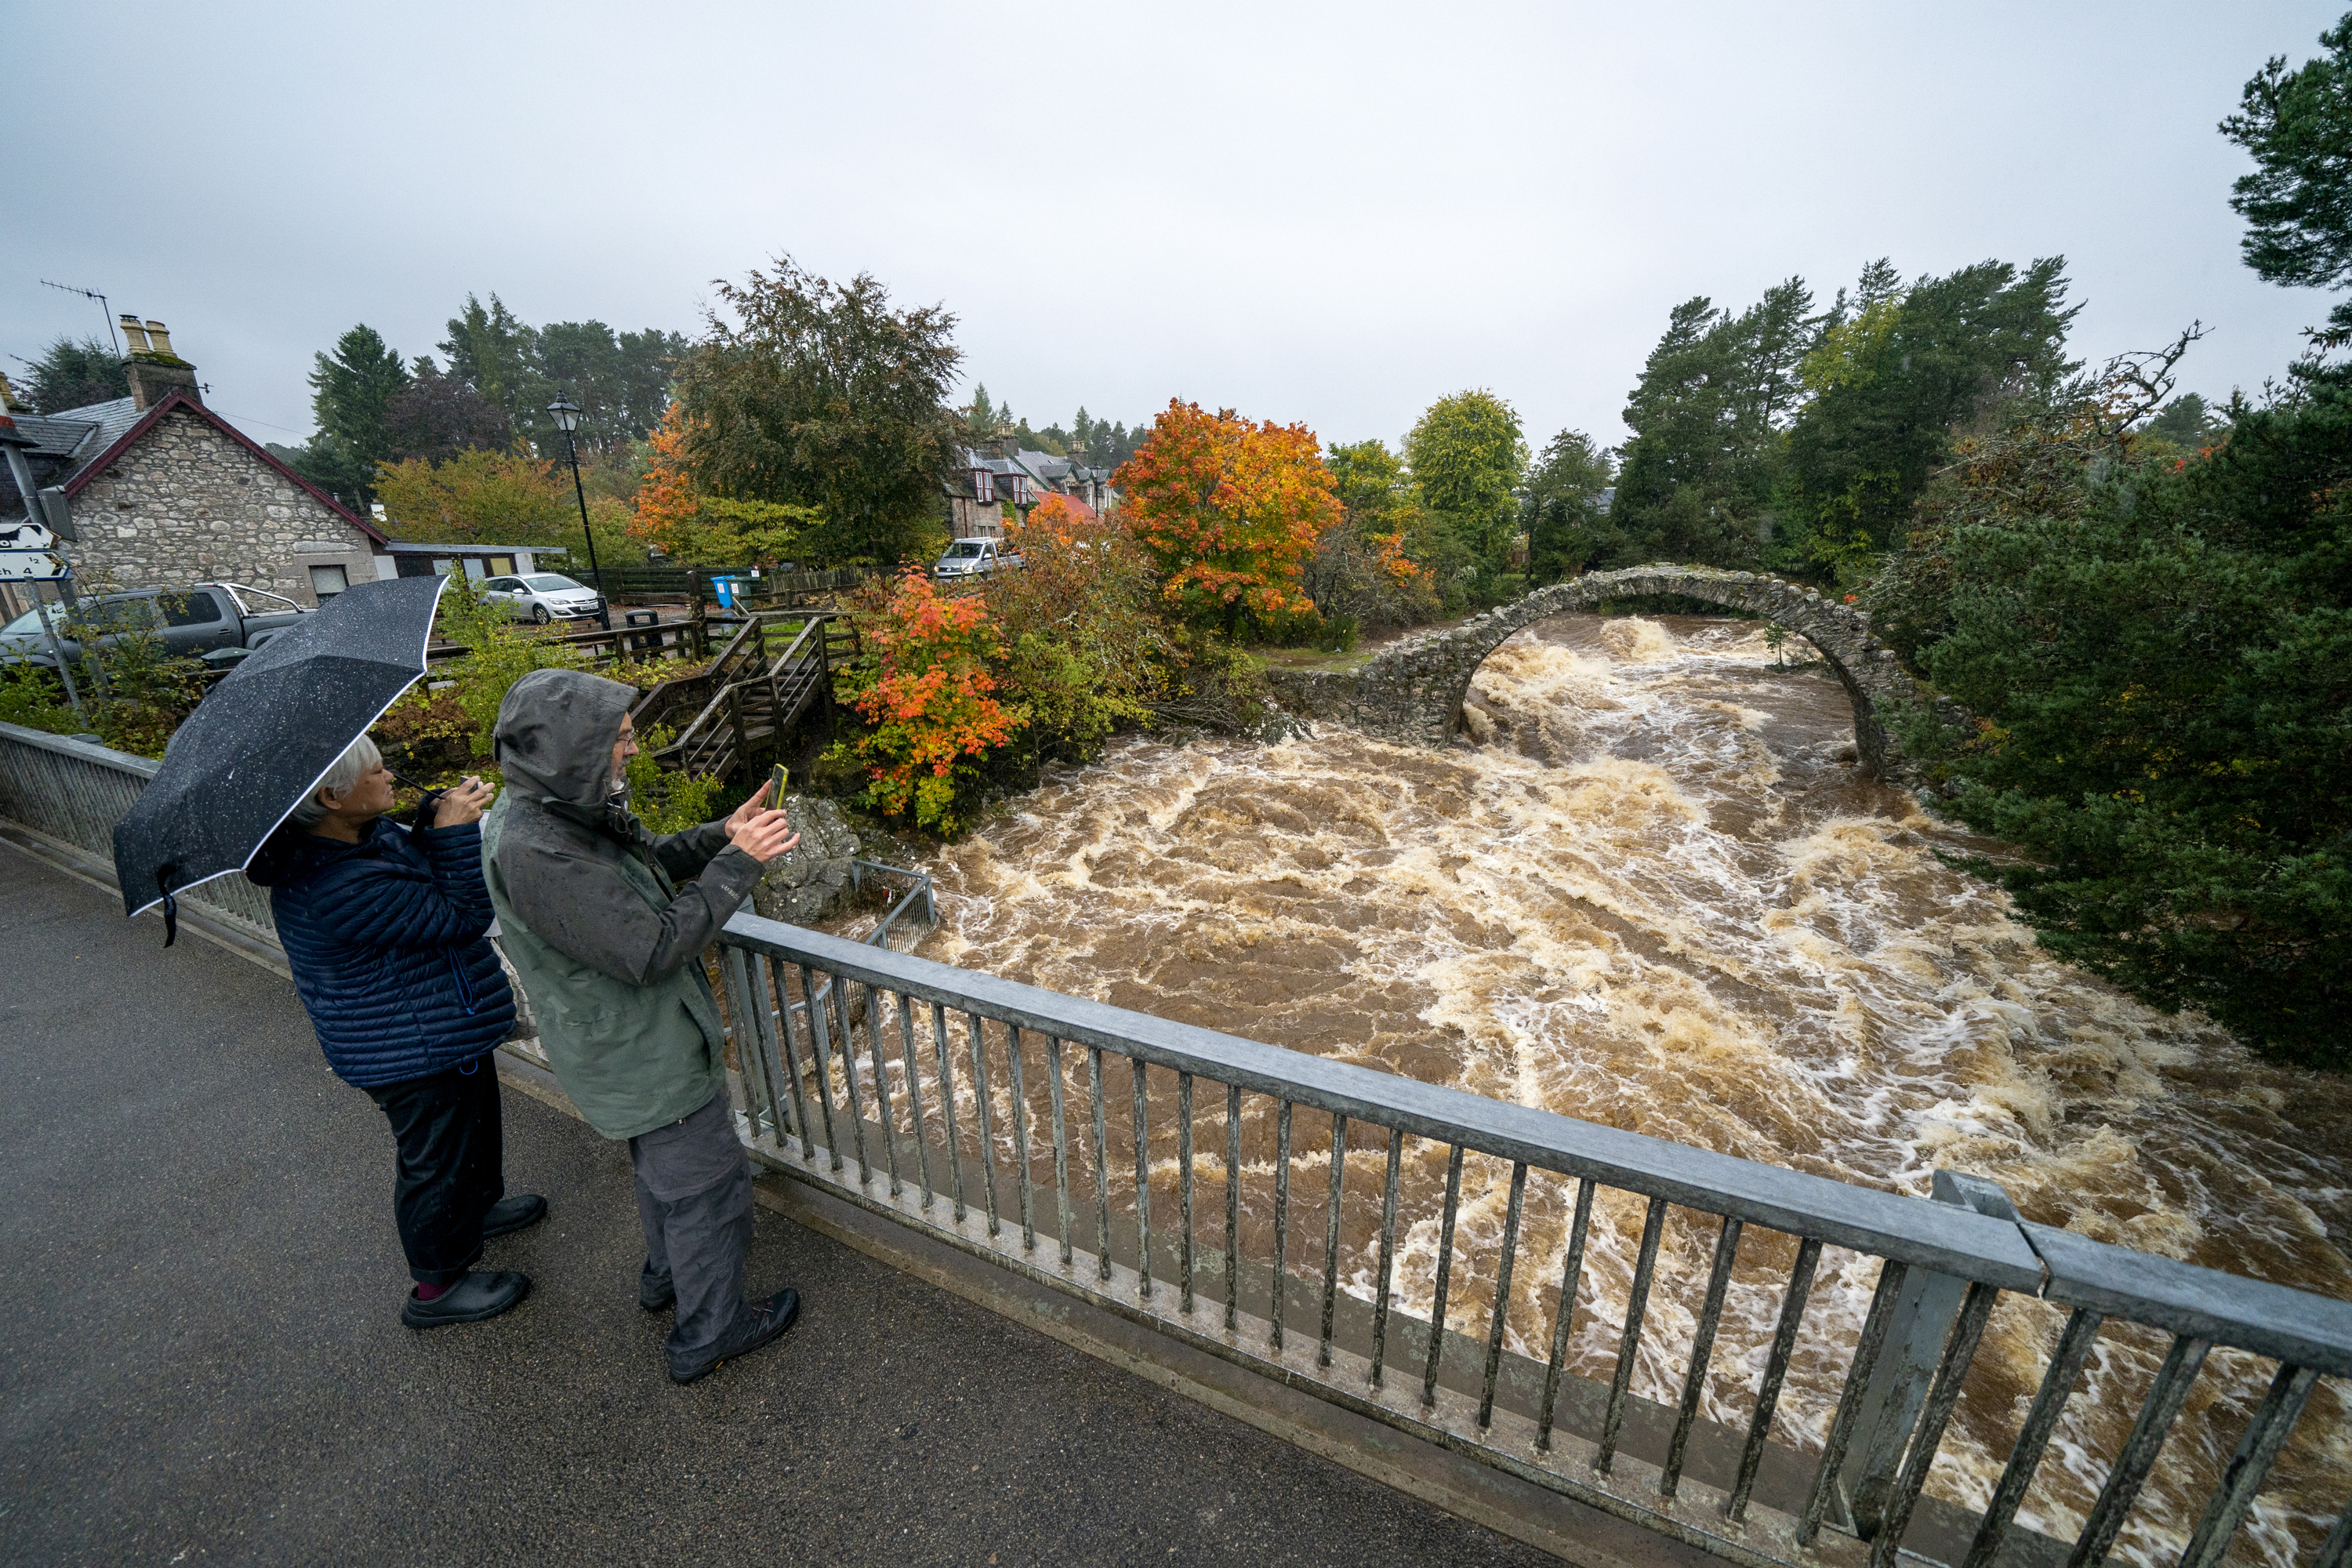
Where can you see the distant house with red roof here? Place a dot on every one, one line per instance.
(165, 492)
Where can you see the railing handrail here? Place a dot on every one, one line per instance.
(2297, 1326)
(1951, 1241)
(2275, 1320)
(698, 733)
(880, 935)
(813, 626)
(83, 749)
(1944, 1263)
(717, 669)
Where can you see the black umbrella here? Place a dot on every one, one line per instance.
(260, 741)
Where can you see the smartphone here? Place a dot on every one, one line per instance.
(776, 787)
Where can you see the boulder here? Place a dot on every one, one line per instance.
(810, 881)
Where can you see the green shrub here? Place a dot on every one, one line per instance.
(499, 653)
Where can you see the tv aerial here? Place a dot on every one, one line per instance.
(103, 307)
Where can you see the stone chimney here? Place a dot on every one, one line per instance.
(155, 371)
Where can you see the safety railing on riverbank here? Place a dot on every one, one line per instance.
(1049, 1134)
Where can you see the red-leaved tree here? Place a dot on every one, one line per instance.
(924, 683)
(1229, 509)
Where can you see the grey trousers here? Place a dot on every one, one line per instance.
(694, 1199)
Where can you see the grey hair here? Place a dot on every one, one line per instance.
(359, 758)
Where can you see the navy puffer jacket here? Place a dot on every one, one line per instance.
(388, 942)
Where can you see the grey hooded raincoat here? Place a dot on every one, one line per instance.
(590, 912)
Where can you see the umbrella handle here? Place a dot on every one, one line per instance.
(171, 904)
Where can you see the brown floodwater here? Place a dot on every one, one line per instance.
(1650, 888)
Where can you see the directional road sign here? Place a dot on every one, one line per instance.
(28, 553)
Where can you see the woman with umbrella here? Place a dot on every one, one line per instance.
(385, 927)
(387, 930)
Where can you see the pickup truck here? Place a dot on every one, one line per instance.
(973, 558)
(219, 623)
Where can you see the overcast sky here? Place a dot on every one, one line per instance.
(1332, 214)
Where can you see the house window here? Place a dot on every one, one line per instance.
(1020, 489)
(502, 565)
(983, 486)
(327, 582)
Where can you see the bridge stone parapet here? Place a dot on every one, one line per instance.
(1410, 692)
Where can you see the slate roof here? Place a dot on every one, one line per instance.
(64, 443)
(1047, 472)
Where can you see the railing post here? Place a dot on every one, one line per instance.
(735, 715)
(825, 667)
(1924, 1314)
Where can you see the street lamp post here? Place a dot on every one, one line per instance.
(567, 419)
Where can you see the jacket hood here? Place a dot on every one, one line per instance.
(290, 854)
(555, 733)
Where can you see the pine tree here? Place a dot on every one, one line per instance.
(349, 390)
(1892, 383)
(75, 374)
(1709, 417)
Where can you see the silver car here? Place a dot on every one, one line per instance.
(542, 597)
(973, 558)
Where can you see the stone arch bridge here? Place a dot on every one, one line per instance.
(1411, 691)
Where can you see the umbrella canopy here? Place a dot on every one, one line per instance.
(260, 740)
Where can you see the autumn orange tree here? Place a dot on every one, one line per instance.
(1228, 510)
(925, 684)
(673, 514)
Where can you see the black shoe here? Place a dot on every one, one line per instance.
(656, 1296)
(518, 1213)
(474, 1298)
(757, 1327)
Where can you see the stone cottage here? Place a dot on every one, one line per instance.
(165, 492)
(998, 474)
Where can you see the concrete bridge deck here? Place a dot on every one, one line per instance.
(202, 1363)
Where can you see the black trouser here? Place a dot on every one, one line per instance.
(451, 1166)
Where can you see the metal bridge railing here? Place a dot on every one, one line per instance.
(1049, 1134)
(71, 789)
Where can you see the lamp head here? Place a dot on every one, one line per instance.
(565, 413)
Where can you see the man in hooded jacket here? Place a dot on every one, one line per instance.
(609, 948)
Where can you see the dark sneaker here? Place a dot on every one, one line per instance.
(757, 1327)
(474, 1298)
(518, 1213)
(655, 1295)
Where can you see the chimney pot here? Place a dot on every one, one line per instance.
(153, 370)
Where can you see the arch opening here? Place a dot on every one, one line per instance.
(1413, 690)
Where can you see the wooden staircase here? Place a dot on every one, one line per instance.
(756, 700)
